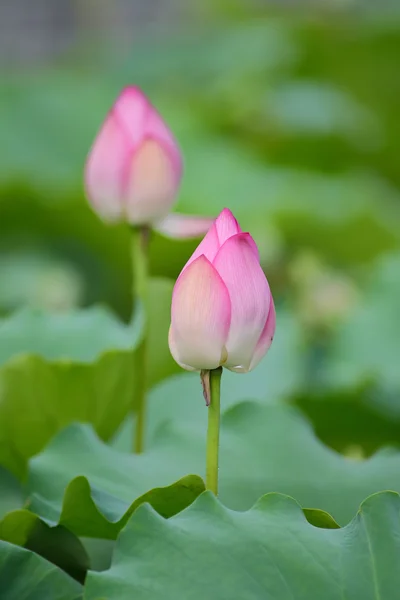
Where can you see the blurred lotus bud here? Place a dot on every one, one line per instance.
(134, 167)
(323, 296)
(222, 311)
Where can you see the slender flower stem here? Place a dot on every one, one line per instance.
(214, 412)
(140, 264)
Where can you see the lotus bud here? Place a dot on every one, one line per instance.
(134, 167)
(222, 310)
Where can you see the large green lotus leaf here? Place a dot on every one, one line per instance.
(270, 552)
(62, 368)
(264, 448)
(79, 366)
(98, 487)
(100, 509)
(353, 357)
(79, 336)
(24, 574)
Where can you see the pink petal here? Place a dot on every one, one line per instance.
(132, 109)
(105, 168)
(141, 120)
(152, 187)
(226, 226)
(135, 166)
(200, 317)
(174, 351)
(266, 338)
(250, 298)
(208, 247)
(253, 246)
(179, 226)
(157, 129)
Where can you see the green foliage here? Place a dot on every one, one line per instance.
(57, 369)
(373, 324)
(259, 453)
(11, 492)
(56, 544)
(292, 123)
(270, 551)
(24, 574)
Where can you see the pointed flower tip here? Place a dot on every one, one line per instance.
(226, 225)
(227, 215)
(131, 93)
(226, 212)
(132, 89)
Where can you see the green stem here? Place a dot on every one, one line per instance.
(213, 431)
(140, 264)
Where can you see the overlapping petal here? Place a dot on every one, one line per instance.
(105, 170)
(140, 120)
(208, 247)
(202, 343)
(131, 110)
(226, 225)
(266, 337)
(250, 295)
(151, 185)
(223, 227)
(200, 317)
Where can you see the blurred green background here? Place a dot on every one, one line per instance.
(288, 115)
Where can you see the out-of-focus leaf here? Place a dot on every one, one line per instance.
(78, 366)
(61, 368)
(24, 574)
(160, 361)
(310, 107)
(366, 346)
(353, 420)
(11, 492)
(81, 336)
(38, 280)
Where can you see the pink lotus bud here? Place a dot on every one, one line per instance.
(134, 167)
(222, 311)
